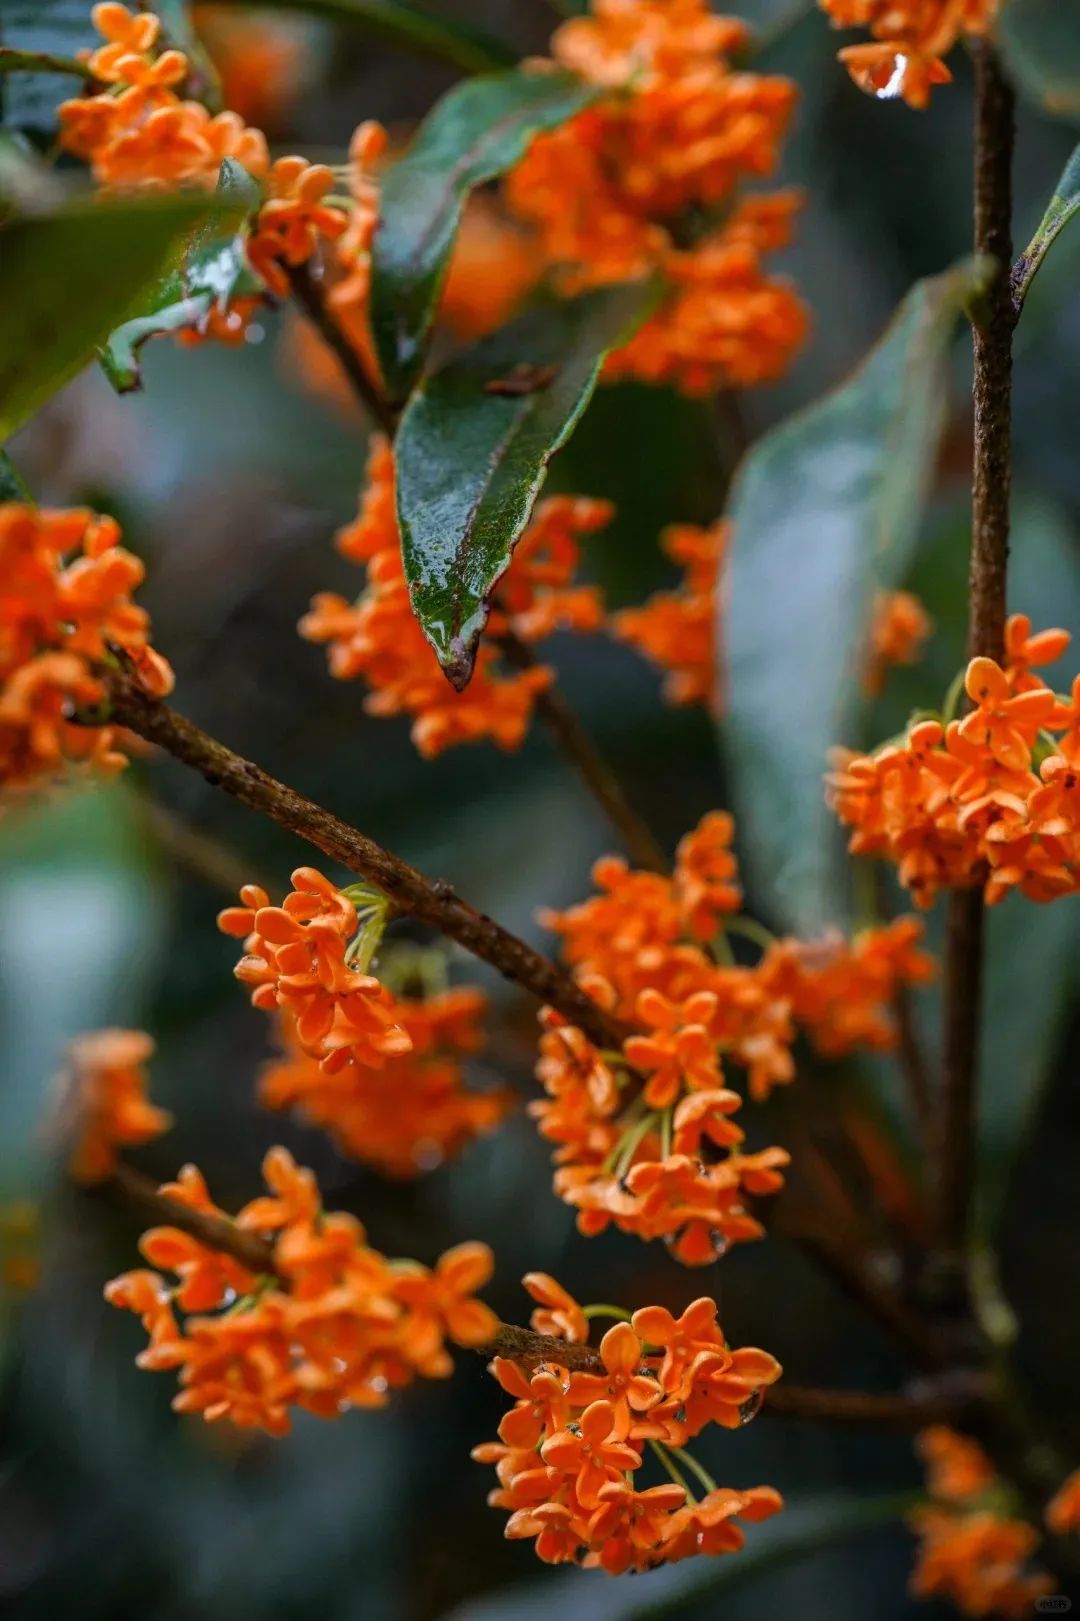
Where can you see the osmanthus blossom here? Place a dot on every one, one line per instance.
(676, 134)
(985, 801)
(650, 1138)
(381, 1073)
(65, 612)
(336, 1325)
(911, 39)
(571, 1447)
(106, 1102)
(974, 1551)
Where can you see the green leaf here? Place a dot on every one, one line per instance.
(1063, 205)
(477, 132)
(473, 450)
(802, 1530)
(66, 279)
(12, 487)
(1040, 40)
(825, 512)
(413, 28)
(209, 268)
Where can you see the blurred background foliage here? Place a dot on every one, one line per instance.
(230, 475)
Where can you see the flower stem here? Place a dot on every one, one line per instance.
(691, 1463)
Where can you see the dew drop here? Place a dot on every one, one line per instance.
(750, 1409)
(894, 85)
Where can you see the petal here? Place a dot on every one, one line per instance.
(985, 682)
(620, 1349)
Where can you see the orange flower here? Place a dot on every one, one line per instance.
(677, 135)
(706, 874)
(971, 1554)
(337, 1327)
(571, 1446)
(378, 636)
(109, 1102)
(407, 1113)
(677, 630)
(294, 220)
(898, 629)
(65, 607)
(559, 1314)
(1063, 1511)
(911, 38)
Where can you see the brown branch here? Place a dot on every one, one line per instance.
(562, 722)
(952, 1147)
(216, 1232)
(310, 294)
(406, 888)
(906, 1410)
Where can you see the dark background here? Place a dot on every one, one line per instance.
(230, 478)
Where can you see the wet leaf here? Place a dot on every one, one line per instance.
(208, 270)
(832, 499)
(1041, 44)
(66, 279)
(411, 27)
(474, 134)
(1064, 204)
(471, 459)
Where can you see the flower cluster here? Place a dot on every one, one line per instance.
(377, 637)
(911, 38)
(898, 628)
(138, 133)
(645, 1138)
(971, 1552)
(677, 630)
(107, 1100)
(65, 610)
(647, 181)
(408, 1114)
(990, 800)
(1063, 1510)
(570, 1447)
(380, 1073)
(335, 1325)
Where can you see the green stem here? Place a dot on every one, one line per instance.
(952, 698)
(751, 929)
(691, 1463)
(607, 1311)
(630, 1144)
(669, 1465)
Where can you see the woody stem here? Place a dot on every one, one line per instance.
(407, 889)
(923, 1404)
(953, 1137)
(310, 294)
(578, 748)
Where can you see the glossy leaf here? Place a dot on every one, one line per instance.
(66, 279)
(1064, 204)
(412, 27)
(478, 131)
(209, 269)
(473, 452)
(830, 500)
(1041, 44)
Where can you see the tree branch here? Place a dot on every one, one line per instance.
(643, 848)
(216, 1232)
(310, 294)
(952, 1148)
(406, 888)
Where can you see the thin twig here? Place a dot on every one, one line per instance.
(216, 1232)
(952, 1149)
(197, 852)
(406, 888)
(641, 845)
(906, 1410)
(310, 294)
